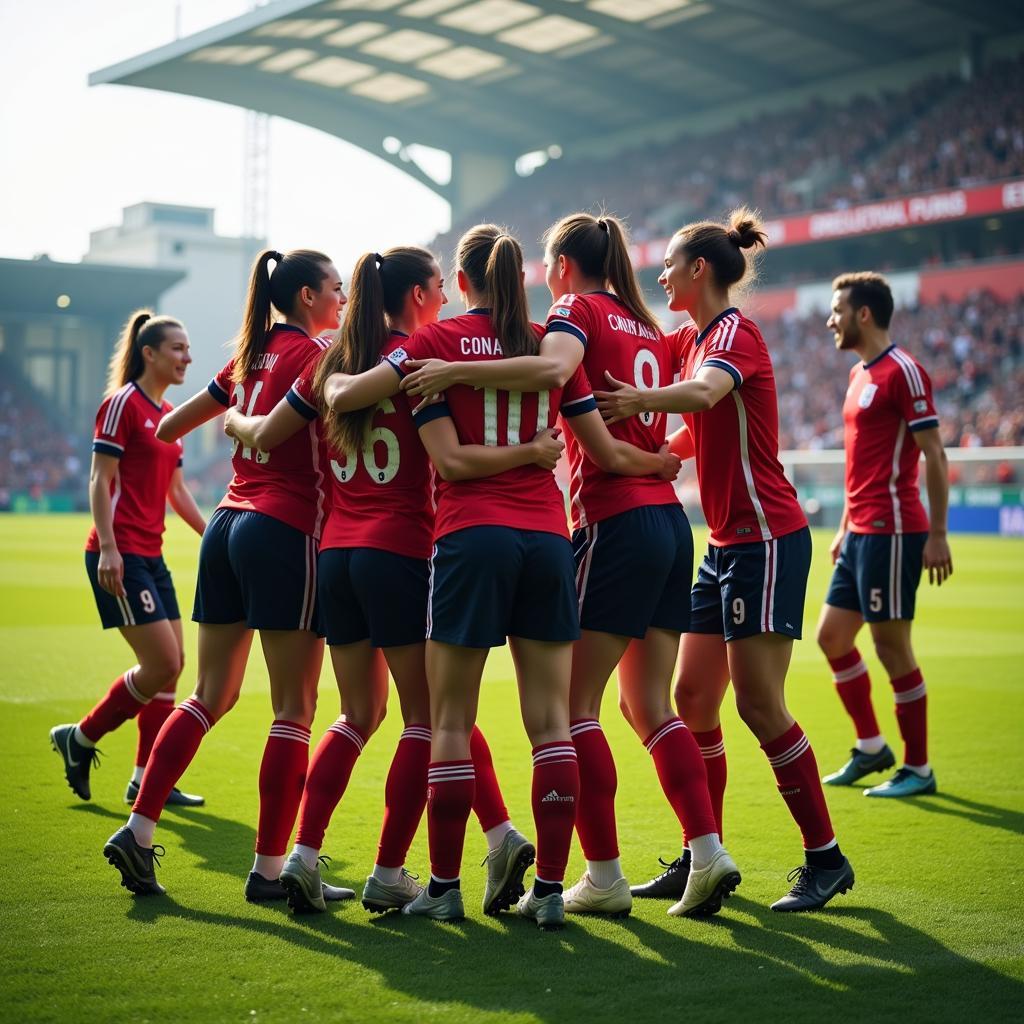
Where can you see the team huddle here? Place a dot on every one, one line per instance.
(393, 494)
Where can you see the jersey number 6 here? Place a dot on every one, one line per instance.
(378, 435)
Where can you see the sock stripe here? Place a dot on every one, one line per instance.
(129, 685)
(797, 750)
(554, 754)
(909, 696)
(715, 750)
(670, 726)
(283, 731)
(194, 708)
(168, 697)
(416, 732)
(584, 725)
(846, 674)
(342, 728)
(452, 773)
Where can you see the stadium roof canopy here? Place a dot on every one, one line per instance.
(490, 80)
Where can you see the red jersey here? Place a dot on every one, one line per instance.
(525, 498)
(614, 340)
(380, 494)
(287, 483)
(743, 490)
(126, 428)
(888, 400)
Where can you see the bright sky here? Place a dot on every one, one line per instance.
(75, 155)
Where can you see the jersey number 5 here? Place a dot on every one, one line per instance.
(239, 396)
(378, 435)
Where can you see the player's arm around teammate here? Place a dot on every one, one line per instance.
(257, 571)
(886, 536)
(133, 476)
(747, 603)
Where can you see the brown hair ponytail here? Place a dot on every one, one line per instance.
(493, 261)
(298, 269)
(723, 245)
(380, 285)
(600, 247)
(142, 329)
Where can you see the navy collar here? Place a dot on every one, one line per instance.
(135, 384)
(395, 333)
(478, 311)
(282, 326)
(881, 355)
(714, 323)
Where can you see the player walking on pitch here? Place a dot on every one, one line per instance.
(885, 534)
(134, 475)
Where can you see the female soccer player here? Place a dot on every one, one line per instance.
(747, 603)
(257, 570)
(634, 561)
(373, 577)
(133, 477)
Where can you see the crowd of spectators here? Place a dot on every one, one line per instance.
(941, 133)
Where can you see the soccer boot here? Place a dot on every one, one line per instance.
(268, 890)
(905, 782)
(505, 869)
(446, 907)
(176, 798)
(379, 897)
(815, 886)
(548, 911)
(859, 765)
(303, 886)
(77, 759)
(586, 898)
(136, 863)
(706, 887)
(670, 884)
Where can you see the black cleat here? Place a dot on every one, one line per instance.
(670, 884)
(176, 798)
(77, 759)
(815, 886)
(136, 863)
(267, 890)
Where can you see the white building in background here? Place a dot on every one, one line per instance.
(210, 300)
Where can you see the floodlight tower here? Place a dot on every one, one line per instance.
(256, 169)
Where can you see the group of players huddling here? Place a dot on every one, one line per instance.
(393, 490)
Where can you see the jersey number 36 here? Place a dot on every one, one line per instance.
(381, 474)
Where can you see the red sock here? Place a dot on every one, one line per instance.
(150, 721)
(122, 702)
(854, 688)
(683, 777)
(556, 791)
(595, 810)
(796, 772)
(405, 795)
(712, 749)
(282, 774)
(911, 716)
(488, 804)
(176, 744)
(450, 786)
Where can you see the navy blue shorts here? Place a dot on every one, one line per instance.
(746, 589)
(257, 570)
(149, 588)
(488, 583)
(877, 575)
(370, 594)
(634, 571)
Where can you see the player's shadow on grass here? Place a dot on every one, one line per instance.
(974, 811)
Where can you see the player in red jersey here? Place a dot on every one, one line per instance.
(373, 578)
(749, 595)
(134, 475)
(257, 571)
(885, 534)
(633, 551)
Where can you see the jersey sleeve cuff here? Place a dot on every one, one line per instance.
(578, 406)
(300, 405)
(218, 393)
(107, 448)
(924, 423)
(555, 326)
(721, 364)
(181, 462)
(434, 411)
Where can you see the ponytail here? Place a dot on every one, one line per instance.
(298, 269)
(379, 288)
(493, 261)
(723, 245)
(600, 247)
(142, 329)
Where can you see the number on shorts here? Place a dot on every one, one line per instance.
(739, 611)
(239, 395)
(381, 474)
(147, 601)
(875, 599)
(515, 416)
(646, 358)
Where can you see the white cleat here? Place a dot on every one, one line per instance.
(447, 907)
(707, 887)
(586, 898)
(379, 896)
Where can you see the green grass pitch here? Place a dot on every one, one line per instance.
(933, 929)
